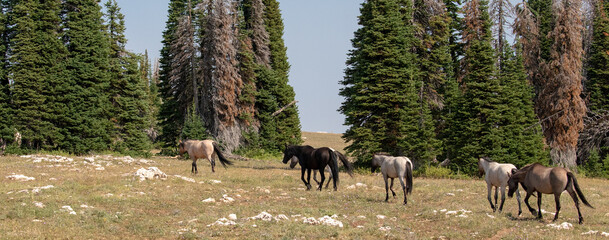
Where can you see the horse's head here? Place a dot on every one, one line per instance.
(288, 153)
(377, 160)
(481, 162)
(513, 183)
(181, 148)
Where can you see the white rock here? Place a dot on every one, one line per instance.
(281, 217)
(387, 228)
(215, 181)
(232, 216)
(329, 221)
(310, 220)
(39, 204)
(150, 173)
(591, 232)
(264, 216)
(564, 225)
(380, 217)
(19, 177)
(37, 189)
(209, 200)
(222, 222)
(226, 199)
(69, 210)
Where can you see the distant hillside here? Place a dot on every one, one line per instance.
(332, 140)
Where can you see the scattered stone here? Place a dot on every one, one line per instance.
(37, 189)
(215, 181)
(68, 209)
(490, 216)
(39, 204)
(264, 216)
(591, 232)
(450, 194)
(150, 173)
(19, 177)
(209, 200)
(226, 199)
(385, 229)
(223, 222)
(329, 221)
(232, 216)
(380, 216)
(281, 217)
(564, 225)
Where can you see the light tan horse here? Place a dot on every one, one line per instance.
(202, 149)
(394, 167)
(538, 178)
(497, 175)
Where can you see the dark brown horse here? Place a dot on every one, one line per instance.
(311, 158)
(538, 178)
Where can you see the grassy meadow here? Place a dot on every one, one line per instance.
(107, 201)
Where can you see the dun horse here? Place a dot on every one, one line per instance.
(311, 158)
(497, 175)
(394, 167)
(202, 149)
(538, 178)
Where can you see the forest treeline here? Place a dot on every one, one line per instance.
(435, 80)
(442, 80)
(67, 82)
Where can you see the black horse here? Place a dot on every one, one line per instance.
(317, 159)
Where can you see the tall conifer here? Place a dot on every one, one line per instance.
(86, 81)
(598, 64)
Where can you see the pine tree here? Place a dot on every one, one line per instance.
(84, 90)
(128, 92)
(598, 63)
(287, 122)
(171, 112)
(6, 129)
(37, 53)
(381, 85)
(473, 125)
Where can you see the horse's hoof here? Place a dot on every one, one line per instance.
(581, 221)
(519, 212)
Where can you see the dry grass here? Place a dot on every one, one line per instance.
(125, 208)
(332, 140)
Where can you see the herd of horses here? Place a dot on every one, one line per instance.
(535, 179)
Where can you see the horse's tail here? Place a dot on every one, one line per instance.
(334, 167)
(571, 177)
(346, 163)
(409, 177)
(223, 159)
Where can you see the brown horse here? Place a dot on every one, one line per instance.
(538, 178)
(202, 149)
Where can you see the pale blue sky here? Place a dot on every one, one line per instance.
(317, 34)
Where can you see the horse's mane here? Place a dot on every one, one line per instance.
(526, 169)
(487, 159)
(381, 154)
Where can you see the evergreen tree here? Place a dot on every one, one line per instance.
(36, 53)
(473, 126)
(523, 141)
(84, 91)
(381, 101)
(287, 122)
(6, 33)
(598, 63)
(128, 92)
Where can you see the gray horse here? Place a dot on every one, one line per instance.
(497, 175)
(394, 167)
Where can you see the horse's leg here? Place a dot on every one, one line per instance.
(557, 200)
(308, 179)
(526, 201)
(212, 163)
(323, 178)
(496, 196)
(331, 177)
(502, 198)
(386, 188)
(489, 189)
(391, 187)
(576, 200)
(315, 177)
(518, 199)
(303, 178)
(401, 178)
(194, 166)
(539, 205)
